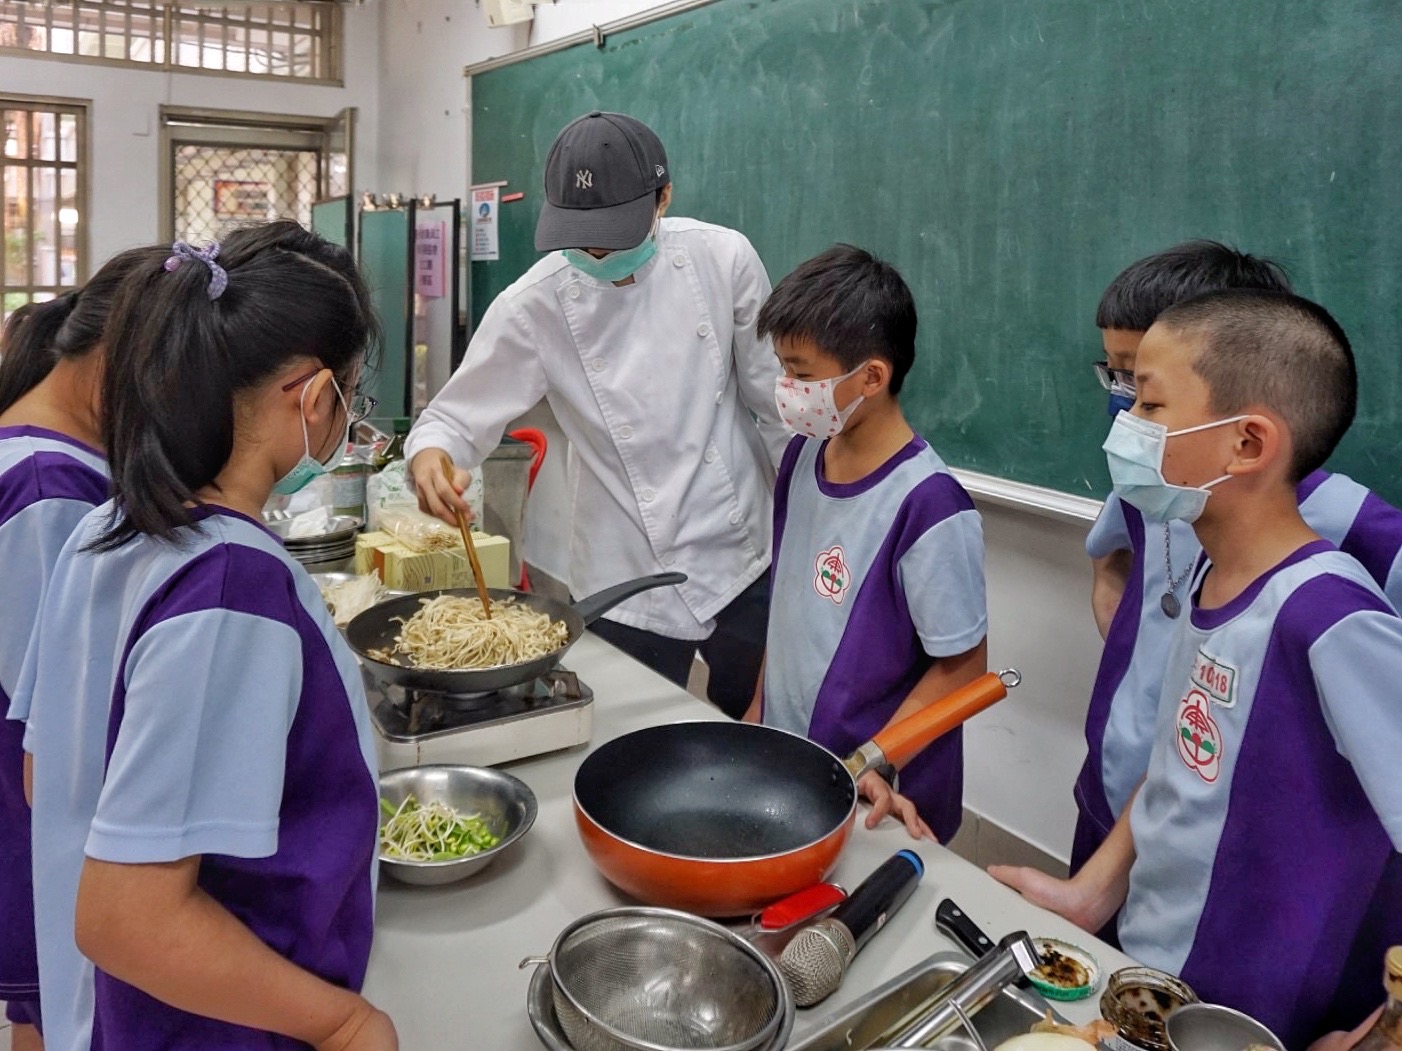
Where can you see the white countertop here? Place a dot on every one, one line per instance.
(444, 962)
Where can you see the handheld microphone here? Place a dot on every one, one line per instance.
(816, 960)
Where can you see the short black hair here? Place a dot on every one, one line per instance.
(1144, 290)
(853, 305)
(1276, 350)
(177, 359)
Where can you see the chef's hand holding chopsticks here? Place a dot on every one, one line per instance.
(886, 800)
(437, 495)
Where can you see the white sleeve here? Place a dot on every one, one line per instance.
(499, 379)
(1356, 665)
(755, 363)
(942, 576)
(1109, 533)
(29, 547)
(199, 759)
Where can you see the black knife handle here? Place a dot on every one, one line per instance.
(883, 892)
(955, 922)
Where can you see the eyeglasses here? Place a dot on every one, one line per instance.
(358, 406)
(1117, 381)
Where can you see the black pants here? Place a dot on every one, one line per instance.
(733, 653)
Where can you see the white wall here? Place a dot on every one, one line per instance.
(1023, 755)
(125, 126)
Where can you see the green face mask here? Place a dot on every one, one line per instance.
(616, 266)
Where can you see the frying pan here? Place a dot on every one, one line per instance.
(376, 628)
(718, 818)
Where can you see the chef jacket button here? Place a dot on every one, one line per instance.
(648, 496)
(710, 456)
(574, 291)
(668, 559)
(703, 329)
(599, 364)
(736, 517)
(679, 261)
(625, 432)
(720, 396)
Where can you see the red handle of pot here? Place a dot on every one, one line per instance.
(907, 737)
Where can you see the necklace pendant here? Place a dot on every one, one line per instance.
(1169, 604)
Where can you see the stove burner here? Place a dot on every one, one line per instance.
(409, 713)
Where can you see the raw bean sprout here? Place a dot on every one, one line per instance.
(434, 831)
(348, 598)
(449, 633)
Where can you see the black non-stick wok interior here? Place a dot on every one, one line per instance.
(715, 790)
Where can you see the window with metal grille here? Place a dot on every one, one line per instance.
(298, 40)
(228, 168)
(43, 173)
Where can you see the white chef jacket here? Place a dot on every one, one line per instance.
(654, 384)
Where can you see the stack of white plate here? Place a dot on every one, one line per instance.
(325, 551)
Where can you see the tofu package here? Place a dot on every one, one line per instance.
(415, 552)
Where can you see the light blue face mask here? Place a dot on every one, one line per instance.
(308, 469)
(1134, 452)
(616, 266)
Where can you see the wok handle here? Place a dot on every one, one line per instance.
(897, 744)
(595, 606)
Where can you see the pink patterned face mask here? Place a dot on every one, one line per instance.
(809, 407)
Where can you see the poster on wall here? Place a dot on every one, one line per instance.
(242, 199)
(486, 200)
(430, 258)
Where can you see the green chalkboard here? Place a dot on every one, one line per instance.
(1010, 156)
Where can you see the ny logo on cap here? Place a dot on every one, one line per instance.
(583, 179)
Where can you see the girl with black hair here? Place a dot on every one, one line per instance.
(52, 473)
(205, 799)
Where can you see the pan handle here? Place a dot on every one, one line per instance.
(897, 744)
(595, 606)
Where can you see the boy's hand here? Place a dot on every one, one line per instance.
(1068, 898)
(886, 800)
(1340, 1041)
(367, 1029)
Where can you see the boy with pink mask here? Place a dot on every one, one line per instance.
(878, 591)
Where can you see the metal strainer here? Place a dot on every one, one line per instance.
(643, 979)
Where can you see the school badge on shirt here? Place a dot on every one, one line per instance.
(1199, 739)
(831, 577)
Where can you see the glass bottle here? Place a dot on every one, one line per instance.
(1386, 1034)
(394, 450)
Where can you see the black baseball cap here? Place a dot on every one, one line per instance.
(601, 183)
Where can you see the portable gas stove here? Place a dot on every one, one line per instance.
(418, 727)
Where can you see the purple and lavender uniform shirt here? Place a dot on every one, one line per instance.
(1121, 718)
(48, 482)
(872, 581)
(188, 700)
(1273, 799)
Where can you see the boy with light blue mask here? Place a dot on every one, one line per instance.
(1142, 561)
(1253, 860)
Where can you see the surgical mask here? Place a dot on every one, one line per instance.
(1134, 452)
(616, 266)
(308, 469)
(809, 407)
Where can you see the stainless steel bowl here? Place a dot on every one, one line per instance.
(1212, 1027)
(504, 802)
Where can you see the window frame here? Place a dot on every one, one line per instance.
(240, 129)
(57, 104)
(332, 37)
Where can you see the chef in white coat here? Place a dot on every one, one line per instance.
(639, 331)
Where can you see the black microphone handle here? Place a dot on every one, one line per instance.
(879, 896)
